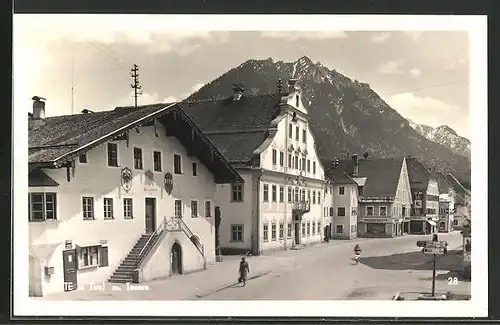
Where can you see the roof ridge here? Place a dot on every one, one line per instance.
(212, 99)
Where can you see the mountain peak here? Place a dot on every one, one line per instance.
(304, 61)
(447, 129)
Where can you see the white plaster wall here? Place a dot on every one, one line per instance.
(235, 212)
(158, 264)
(348, 200)
(98, 180)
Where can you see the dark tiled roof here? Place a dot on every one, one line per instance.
(335, 174)
(62, 134)
(62, 138)
(455, 184)
(444, 187)
(382, 175)
(236, 127)
(417, 173)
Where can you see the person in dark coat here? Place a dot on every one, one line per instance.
(244, 270)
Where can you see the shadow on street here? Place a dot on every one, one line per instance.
(447, 276)
(414, 261)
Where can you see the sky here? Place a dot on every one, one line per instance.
(84, 61)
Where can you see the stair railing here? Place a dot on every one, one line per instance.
(157, 231)
(190, 234)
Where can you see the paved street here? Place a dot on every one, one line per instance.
(327, 272)
(324, 271)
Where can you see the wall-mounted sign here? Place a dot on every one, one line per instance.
(418, 203)
(126, 179)
(150, 177)
(168, 182)
(68, 244)
(373, 220)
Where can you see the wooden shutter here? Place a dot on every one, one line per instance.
(104, 256)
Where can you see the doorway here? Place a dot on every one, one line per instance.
(150, 216)
(69, 270)
(297, 233)
(176, 259)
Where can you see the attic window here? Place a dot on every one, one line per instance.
(297, 101)
(83, 158)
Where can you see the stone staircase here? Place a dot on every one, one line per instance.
(125, 272)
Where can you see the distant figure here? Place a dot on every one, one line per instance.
(357, 253)
(244, 271)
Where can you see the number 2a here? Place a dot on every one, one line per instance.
(452, 280)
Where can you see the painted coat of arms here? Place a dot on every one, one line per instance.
(126, 179)
(169, 183)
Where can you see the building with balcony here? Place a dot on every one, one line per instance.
(425, 193)
(384, 194)
(122, 196)
(268, 140)
(341, 203)
(462, 203)
(446, 204)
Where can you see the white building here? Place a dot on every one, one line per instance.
(124, 195)
(267, 138)
(462, 207)
(446, 204)
(341, 203)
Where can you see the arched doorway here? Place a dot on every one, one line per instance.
(176, 259)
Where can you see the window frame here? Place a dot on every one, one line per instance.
(367, 208)
(109, 146)
(289, 228)
(108, 202)
(281, 231)
(191, 208)
(137, 157)
(176, 208)
(86, 158)
(337, 229)
(265, 193)
(265, 232)
(44, 206)
(282, 158)
(237, 229)
(131, 200)
(297, 133)
(273, 231)
(92, 200)
(274, 193)
(155, 162)
(274, 157)
(290, 130)
(209, 215)
(194, 168)
(304, 135)
(236, 192)
(380, 211)
(281, 193)
(177, 172)
(341, 190)
(338, 211)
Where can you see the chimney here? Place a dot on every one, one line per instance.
(238, 90)
(38, 108)
(355, 170)
(37, 118)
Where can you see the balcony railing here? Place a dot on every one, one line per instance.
(301, 207)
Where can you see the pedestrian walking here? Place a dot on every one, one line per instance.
(244, 271)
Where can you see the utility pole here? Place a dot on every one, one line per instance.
(136, 86)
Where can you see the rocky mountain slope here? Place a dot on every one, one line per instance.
(347, 116)
(445, 136)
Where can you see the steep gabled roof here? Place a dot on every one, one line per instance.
(417, 173)
(236, 127)
(63, 138)
(444, 186)
(334, 174)
(459, 188)
(382, 175)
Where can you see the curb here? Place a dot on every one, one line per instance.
(227, 286)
